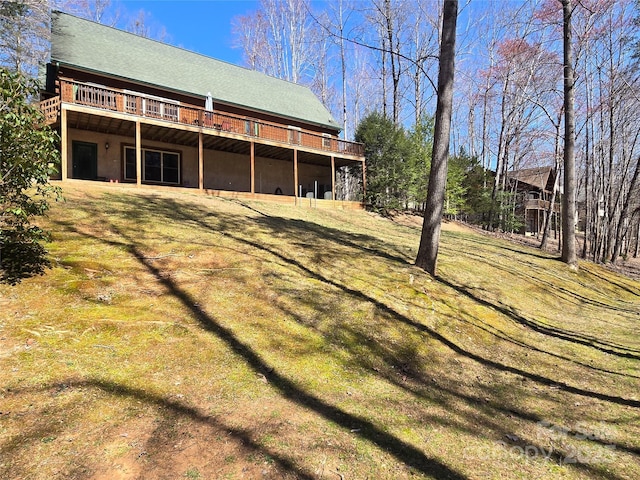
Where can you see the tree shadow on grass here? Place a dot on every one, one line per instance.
(434, 334)
(232, 228)
(396, 363)
(500, 334)
(232, 231)
(20, 260)
(173, 407)
(623, 282)
(241, 231)
(618, 284)
(404, 452)
(503, 244)
(366, 429)
(528, 268)
(177, 408)
(296, 228)
(577, 338)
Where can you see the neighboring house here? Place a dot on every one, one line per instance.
(131, 109)
(534, 187)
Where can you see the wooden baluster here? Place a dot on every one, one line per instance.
(120, 102)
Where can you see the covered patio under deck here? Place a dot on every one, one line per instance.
(122, 147)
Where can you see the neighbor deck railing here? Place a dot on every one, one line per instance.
(164, 109)
(539, 204)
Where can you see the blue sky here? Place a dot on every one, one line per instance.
(203, 26)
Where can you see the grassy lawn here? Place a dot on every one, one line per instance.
(181, 336)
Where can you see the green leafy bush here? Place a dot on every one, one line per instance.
(28, 156)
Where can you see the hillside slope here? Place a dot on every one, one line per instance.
(180, 336)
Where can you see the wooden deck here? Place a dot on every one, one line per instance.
(139, 105)
(538, 204)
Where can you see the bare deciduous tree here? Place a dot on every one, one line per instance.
(569, 197)
(24, 34)
(389, 19)
(100, 11)
(430, 238)
(281, 39)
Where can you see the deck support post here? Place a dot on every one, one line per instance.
(364, 181)
(295, 176)
(200, 162)
(64, 151)
(253, 167)
(333, 179)
(138, 154)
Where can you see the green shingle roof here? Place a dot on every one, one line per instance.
(86, 45)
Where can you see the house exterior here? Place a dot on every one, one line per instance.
(131, 109)
(534, 187)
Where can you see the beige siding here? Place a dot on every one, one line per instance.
(222, 170)
(108, 160)
(273, 174)
(111, 161)
(227, 171)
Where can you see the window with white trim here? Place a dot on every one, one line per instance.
(158, 166)
(326, 140)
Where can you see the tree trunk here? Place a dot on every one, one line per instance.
(568, 230)
(384, 77)
(588, 160)
(499, 183)
(635, 255)
(623, 216)
(389, 15)
(430, 238)
(556, 182)
(345, 134)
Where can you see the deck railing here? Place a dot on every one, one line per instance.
(164, 109)
(50, 108)
(539, 204)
